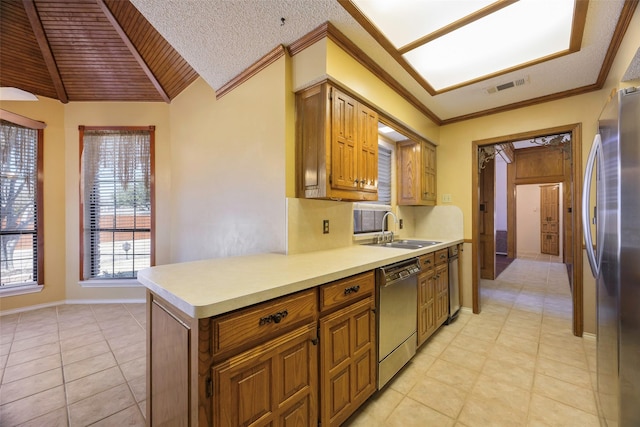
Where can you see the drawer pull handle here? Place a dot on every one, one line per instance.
(275, 318)
(352, 289)
(442, 256)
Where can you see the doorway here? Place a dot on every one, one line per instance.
(570, 177)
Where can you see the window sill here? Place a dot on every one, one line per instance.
(360, 206)
(20, 290)
(110, 283)
(362, 237)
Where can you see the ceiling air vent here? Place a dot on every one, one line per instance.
(508, 85)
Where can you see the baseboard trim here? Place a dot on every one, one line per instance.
(73, 301)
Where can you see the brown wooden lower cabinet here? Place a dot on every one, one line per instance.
(433, 293)
(298, 360)
(442, 293)
(274, 384)
(426, 305)
(348, 364)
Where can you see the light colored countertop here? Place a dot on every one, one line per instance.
(211, 287)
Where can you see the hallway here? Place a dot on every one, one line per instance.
(515, 364)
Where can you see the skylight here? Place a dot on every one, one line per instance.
(451, 43)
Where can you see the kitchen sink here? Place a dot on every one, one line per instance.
(406, 244)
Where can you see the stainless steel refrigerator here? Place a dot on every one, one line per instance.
(614, 256)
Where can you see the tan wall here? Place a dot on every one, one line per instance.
(228, 168)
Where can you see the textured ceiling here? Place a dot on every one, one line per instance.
(633, 71)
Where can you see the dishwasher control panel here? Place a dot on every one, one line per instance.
(400, 271)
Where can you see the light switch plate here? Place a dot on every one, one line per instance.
(446, 198)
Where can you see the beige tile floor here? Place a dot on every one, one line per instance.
(73, 365)
(515, 364)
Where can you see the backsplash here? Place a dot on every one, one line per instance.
(304, 225)
(305, 228)
(436, 222)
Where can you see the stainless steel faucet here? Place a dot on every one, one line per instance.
(384, 237)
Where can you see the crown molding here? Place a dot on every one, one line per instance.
(253, 69)
(329, 31)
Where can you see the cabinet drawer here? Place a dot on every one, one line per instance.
(252, 325)
(342, 291)
(442, 256)
(427, 261)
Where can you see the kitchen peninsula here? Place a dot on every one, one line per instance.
(238, 337)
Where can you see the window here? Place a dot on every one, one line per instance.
(367, 219)
(116, 201)
(21, 237)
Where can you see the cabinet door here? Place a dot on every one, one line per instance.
(426, 305)
(344, 156)
(408, 172)
(312, 136)
(428, 172)
(442, 293)
(274, 384)
(368, 147)
(347, 362)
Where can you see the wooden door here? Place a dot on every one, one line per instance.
(426, 305)
(442, 293)
(486, 216)
(409, 189)
(368, 147)
(344, 157)
(348, 363)
(549, 219)
(274, 384)
(428, 172)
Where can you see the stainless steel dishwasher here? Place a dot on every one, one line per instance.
(454, 285)
(397, 292)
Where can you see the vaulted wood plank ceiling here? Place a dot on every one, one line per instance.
(87, 50)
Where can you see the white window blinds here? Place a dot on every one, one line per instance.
(384, 175)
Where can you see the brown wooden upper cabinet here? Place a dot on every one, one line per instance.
(416, 173)
(336, 146)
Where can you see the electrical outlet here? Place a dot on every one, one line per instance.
(325, 226)
(446, 198)
(401, 223)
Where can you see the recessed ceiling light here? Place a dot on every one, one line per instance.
(385, 129)
(454, 43)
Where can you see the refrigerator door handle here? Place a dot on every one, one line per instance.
(586, 192)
